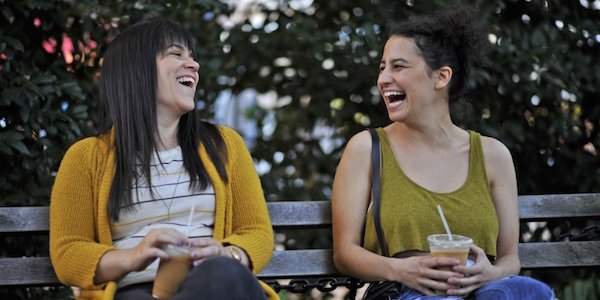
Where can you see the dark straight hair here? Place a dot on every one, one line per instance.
(128, 93)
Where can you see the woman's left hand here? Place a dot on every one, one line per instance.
(475, 276)
(205, 248)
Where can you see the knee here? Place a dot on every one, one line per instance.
(528, 283)
(222, 268)
(516, 287)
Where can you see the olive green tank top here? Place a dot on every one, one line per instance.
(409, 214)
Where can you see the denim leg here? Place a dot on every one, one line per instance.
(515, 287)
(410, 294)
(220, 278)
(135, 292)
(509, 288)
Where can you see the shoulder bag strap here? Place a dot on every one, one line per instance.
(376, 188)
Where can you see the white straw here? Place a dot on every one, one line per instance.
(189, 225)
(439, 208)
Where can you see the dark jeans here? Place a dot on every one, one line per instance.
(215, 278)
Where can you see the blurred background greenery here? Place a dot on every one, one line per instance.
(297, 78)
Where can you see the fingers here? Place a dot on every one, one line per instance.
(204, 248)
(464, 290)
(430, 274)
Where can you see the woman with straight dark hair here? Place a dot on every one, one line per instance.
(156, 175)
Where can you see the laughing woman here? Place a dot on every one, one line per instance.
(123, 195)
(428, 160)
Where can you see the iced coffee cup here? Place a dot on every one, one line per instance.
(457, 247)
(171, 272)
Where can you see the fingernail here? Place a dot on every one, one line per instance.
(179, 243)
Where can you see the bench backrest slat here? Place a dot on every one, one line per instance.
(24, 219)
(300, 214)
(563, 206)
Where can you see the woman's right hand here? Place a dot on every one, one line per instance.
(426, 274)
(117, 263)
(151, 247)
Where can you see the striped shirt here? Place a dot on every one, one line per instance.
(166, 204)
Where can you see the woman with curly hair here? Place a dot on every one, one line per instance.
(427, 160)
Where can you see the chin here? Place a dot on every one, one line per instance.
(396, 116)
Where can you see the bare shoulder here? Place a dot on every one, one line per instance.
(495, 150)
(498, 162)
(359, 144)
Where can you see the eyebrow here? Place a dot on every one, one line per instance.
(395, 60)
(180, 47)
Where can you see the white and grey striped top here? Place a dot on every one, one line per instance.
(168, 207)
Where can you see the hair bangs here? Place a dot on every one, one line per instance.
(170, 33)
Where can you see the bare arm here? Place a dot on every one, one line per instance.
(503, 184)
(350, 199)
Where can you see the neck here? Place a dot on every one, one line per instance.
(434, 134)
(167, 136)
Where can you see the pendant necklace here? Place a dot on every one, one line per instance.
(168, 207)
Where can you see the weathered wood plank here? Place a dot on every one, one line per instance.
(30, 271)
(559, 255)
(24, 219)
(317, 214)
(300, 214)
(564, 206)
(319, 262)
(300, 263)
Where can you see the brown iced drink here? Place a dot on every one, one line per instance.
(170, 275)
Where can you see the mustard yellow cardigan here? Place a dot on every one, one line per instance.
(80, 226)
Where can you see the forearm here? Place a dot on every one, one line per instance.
(363, 264)
(112, 266)
(508, 265)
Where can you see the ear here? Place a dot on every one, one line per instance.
(442, 77)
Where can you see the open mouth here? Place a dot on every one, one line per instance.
(395, 96)
(186, 80)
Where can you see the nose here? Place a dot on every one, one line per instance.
(191, 63)
(384, 77)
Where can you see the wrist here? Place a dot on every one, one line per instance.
(234, 253)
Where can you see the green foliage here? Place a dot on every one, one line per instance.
(318, 63)
(587, 289)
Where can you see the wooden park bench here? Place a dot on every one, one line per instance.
(313, 268)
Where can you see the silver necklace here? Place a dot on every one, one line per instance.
(168, 207)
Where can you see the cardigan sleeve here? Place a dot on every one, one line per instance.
(74, 249)
(252, 230)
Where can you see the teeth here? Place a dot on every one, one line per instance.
(185, 79)
(393, 93)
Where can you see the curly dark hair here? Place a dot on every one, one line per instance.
(452, 37)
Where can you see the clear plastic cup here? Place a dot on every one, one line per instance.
(457, 247)
(171, 272)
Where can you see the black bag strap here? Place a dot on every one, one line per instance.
(376, 188)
